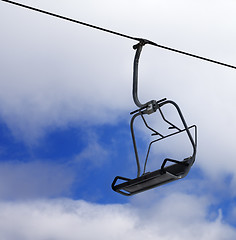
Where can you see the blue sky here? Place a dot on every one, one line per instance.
(65, 98)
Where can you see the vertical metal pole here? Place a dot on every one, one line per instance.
(134, 143)
(138, 48)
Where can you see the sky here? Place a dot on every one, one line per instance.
(65, 99)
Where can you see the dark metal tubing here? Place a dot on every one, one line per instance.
(138, 48)
(186, 128)
(114, 183)
(135, 77)
(194, 144)
(145, 122)
(174, 161)
(163, 117)
(158, 105)
(134, 142)
(169, 135)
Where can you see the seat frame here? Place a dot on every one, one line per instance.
(178, 169)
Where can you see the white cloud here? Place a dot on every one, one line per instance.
(176, 216)
(54, 73)
(19, 180)
(94, 152)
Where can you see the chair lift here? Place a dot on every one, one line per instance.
(166, 174)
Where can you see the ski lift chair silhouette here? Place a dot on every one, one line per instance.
(177, 169)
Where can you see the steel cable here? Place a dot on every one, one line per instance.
(119, 34)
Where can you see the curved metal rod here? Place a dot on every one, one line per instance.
(153, 130)
(138, 48)
(194, 143)
(164, 118)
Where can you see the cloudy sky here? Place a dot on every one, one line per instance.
(65, 98)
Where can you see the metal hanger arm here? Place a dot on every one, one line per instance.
(138, 47)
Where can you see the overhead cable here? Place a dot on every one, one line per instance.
(118, 34)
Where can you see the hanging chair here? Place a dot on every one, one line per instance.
(175, 169)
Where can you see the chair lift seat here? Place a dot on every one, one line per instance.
(166, 174)
(153, 179)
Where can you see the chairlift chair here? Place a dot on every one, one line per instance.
(167, 173)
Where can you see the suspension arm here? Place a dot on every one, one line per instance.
(138, 47)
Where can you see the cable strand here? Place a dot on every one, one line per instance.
(118, 34)
(69, 19)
